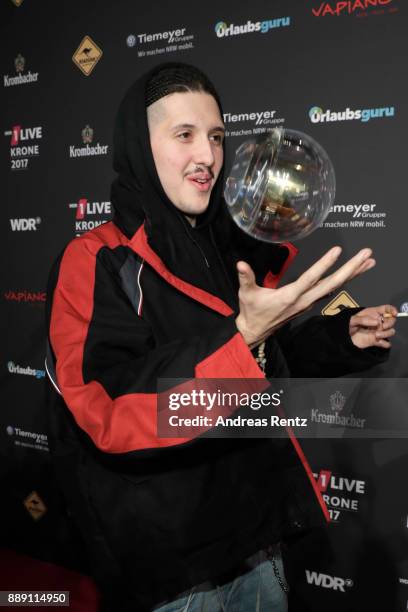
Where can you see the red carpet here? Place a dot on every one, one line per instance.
(18, 572)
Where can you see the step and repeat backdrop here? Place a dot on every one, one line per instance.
(334, 70)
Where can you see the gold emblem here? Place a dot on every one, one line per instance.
(19, 63)
(87, 55)
(17, 2)
(87, 135)
(35, 505)
(340, 302)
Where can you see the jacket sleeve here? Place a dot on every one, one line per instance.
(107, 363)
(321, 347)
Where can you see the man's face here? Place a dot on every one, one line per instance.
(186, 135)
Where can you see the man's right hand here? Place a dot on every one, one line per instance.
(262, 310)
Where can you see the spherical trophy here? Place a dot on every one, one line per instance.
(281, 186)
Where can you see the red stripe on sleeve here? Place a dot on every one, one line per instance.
(271, 280)
(126, 423)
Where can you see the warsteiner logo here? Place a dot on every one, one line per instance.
(87, 55)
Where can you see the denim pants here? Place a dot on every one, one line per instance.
(257, 590)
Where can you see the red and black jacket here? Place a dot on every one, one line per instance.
(160, 515)
(144, 297)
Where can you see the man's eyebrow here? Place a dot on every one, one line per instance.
(190, 126)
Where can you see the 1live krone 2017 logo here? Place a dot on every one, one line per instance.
(24, 145)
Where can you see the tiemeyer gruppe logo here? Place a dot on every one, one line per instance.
(350, 7)
(27, 371)
(99, 212)
(257, 122)
(223, 30)
(360, 216)
(23, 145)
(28, 439)
(21, 78)
(159, 43)
(340, 493)
(89, 149)
(318, 115)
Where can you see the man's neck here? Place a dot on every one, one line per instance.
(191, 220)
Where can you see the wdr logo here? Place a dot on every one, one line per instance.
(25, 225)
(328, 582)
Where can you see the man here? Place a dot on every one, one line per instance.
(175, 523)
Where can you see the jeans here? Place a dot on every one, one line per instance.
(257, 590)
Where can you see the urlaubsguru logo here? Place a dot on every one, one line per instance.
(28, 371)
(318, 115)
(222, 29)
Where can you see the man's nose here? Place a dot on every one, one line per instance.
(203, 152)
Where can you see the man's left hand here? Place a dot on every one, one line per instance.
(373, 326)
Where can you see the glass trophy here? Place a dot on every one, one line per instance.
(281, 186)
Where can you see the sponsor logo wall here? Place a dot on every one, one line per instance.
(318, 67)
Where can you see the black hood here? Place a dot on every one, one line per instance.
(137, 195)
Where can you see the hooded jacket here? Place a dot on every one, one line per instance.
(147, 297)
